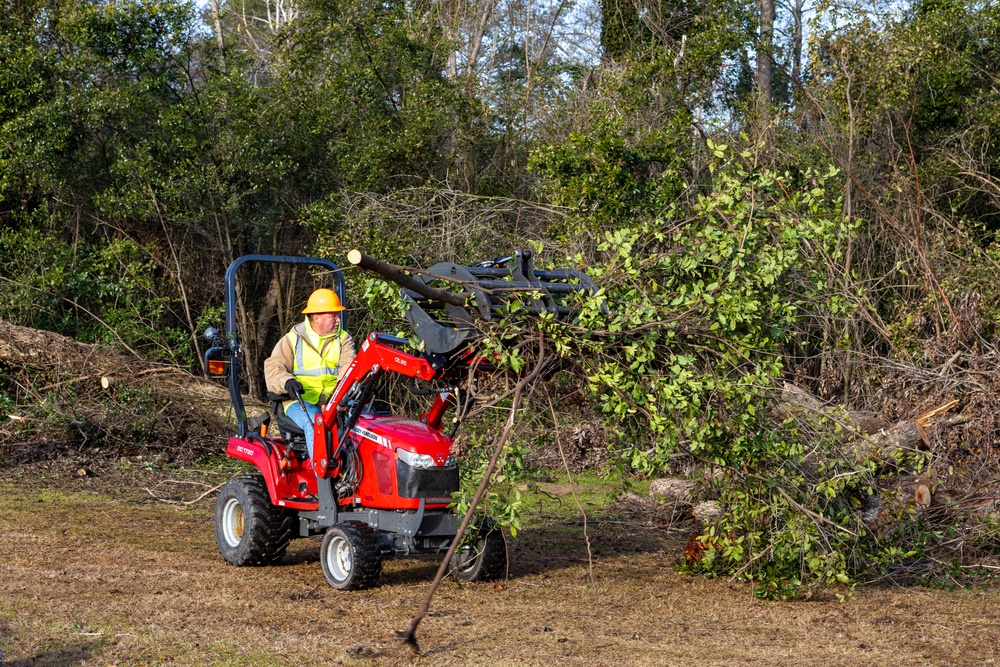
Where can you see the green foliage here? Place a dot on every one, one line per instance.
(791, 522)
(699, 302)
(121, 128)
(367, 90)
(504, 500)
(613, 166)
(683, 351)
(52, 285)
(923, 81)
(606, 179)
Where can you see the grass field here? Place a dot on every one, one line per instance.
(93, 572)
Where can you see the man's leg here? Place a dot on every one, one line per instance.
(304, 420)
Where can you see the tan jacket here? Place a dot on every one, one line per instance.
(278, 367)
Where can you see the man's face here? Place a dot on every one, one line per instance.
(324, 323)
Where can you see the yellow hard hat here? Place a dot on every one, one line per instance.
(323, 301)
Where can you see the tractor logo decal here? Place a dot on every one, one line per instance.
(244, 450)
(374, 437)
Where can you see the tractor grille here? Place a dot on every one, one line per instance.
(437, 482)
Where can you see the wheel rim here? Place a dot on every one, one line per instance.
(232, 522)
(467, 558)
(339, 558)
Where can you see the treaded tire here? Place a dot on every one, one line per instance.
(485, 559)
(351, 556)
(249, 530)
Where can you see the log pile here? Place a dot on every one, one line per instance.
(863, 438)
(64, 361)
(864, 434)
(85, 399)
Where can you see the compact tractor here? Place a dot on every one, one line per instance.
(378, 485)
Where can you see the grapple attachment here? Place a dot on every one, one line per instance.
(445, 301)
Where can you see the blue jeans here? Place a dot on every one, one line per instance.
(304, 420)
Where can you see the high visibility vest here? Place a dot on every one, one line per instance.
(317, 360)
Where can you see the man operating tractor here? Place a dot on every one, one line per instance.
(308, 360)
(374, 484)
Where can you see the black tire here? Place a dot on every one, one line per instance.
(248, 528)
(351, 556)
(484, 559)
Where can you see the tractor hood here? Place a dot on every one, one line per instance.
(400, 433)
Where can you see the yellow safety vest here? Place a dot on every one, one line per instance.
(317, 360)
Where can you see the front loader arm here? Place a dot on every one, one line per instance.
(377, 355)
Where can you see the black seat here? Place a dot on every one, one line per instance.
(290, 431)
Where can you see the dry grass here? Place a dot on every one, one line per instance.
(102, 577)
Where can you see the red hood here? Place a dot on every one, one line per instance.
(399, 432)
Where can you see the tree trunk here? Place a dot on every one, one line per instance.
(864, 435)
(619, 19)
(483, 21)
(765, 58)
(797, 10)
(218, 24)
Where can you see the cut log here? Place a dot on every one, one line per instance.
(922, 496)
(672, 490)
(918, 488)
(398, 275)
(861, 434)
(707, 511)
(905, 435)
(796, 401)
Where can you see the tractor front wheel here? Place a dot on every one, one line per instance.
(484, 559)
(248, 528)
(351, 556)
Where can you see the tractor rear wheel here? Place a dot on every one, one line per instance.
(351, 556)
(248, 528)
(484, 559)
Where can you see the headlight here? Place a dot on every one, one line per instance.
(415, 460)
(450, 461)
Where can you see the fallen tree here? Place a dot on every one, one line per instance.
(63, 361)
(70, 393)
(865, 435)
(684, 351)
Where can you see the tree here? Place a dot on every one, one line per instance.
(620, 28)
(765, 57)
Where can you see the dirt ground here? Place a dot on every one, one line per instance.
(93, 572)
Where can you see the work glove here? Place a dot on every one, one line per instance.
(294, 388)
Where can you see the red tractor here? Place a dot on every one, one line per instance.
(379, 485)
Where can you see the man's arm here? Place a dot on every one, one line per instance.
(346, 354)
(278, 367)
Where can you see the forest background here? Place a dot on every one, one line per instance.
(767, 194)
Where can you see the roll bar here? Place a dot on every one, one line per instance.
(232, 341)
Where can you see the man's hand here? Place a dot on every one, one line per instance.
(294, 388)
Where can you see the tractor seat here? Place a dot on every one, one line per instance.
(290, 431)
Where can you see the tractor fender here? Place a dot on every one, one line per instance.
(254, 452)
